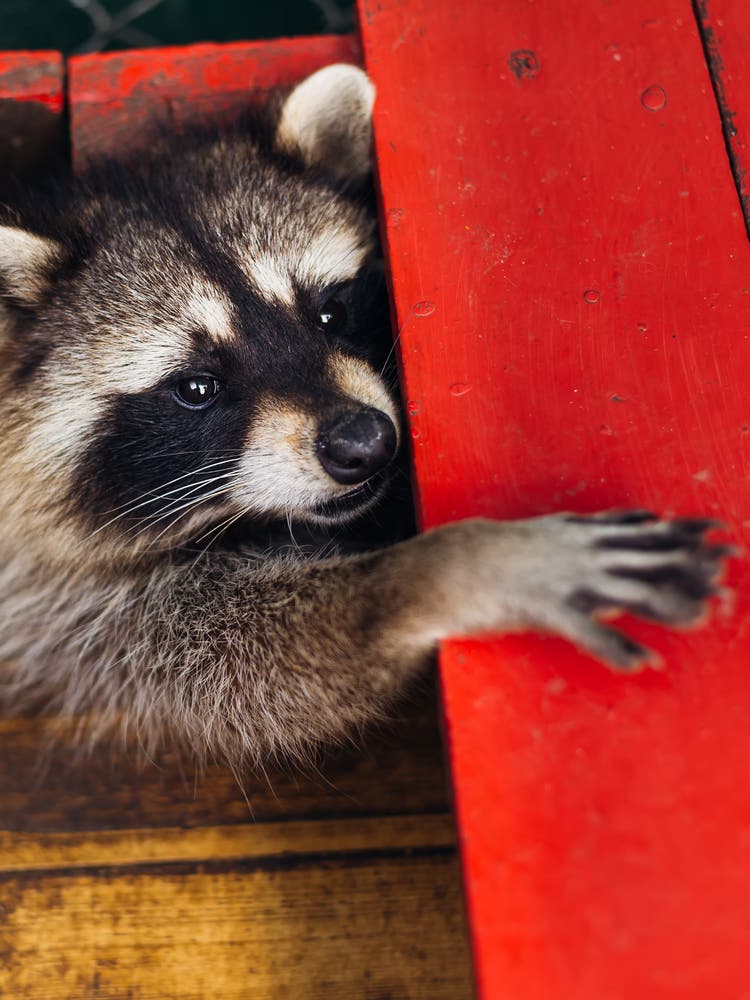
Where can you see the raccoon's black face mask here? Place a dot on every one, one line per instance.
(203, 336)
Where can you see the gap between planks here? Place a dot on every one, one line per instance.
(120, 848)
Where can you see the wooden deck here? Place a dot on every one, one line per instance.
(152, 883)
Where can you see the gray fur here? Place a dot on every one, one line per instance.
(145, 613)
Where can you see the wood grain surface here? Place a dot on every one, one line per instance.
(120, 880)
(345, 927)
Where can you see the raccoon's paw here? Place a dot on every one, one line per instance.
(660, 570)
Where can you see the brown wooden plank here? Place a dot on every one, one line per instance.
(240, 841)
(118, 881)
(340, 930)
(44, 789)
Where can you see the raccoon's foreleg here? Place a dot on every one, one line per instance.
(555, 574)
(275, 658)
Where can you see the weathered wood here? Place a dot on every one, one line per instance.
(122, 100)
(570, 272)
(331, 928)
(118, 881)
(287, 838)
(32, 127)
(43, 789)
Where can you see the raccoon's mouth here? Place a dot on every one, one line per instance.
(351, 504)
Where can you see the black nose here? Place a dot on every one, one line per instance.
(356, 444)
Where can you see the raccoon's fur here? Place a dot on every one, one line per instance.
(199, 437)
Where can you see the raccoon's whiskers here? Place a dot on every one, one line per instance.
(201, 470)
(170, 453)
(213, 533)
(295, 544)
(181, 492)
(393, 348)
(189, 507)
(327, 547)
(191, 504)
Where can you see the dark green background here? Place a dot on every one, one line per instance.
(60, 24)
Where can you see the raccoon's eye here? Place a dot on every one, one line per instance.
(331, 316)
(197, 392)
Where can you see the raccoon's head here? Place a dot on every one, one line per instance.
(202, 337)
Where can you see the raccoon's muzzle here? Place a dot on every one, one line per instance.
(354, 445)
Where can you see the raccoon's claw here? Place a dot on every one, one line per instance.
(655, 535)
(608, 644)
(663, 571)
(614, 517)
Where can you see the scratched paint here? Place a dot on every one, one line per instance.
(122, 99)
(33, 76)
(723, 29)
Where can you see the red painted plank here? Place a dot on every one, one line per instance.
(118, 100)
(32, 76)
(32, 97)
(572, 290)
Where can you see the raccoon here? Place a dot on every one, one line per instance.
(203, 535)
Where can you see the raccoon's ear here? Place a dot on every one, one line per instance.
(27, 263)
(327, 120)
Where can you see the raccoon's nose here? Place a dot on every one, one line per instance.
(355, 445)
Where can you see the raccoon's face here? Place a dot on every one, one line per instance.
(214, 345)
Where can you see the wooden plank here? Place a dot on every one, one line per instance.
(68, 837)
(122, 100)
(82, 841)
(570, 273)
(33, 76)
(309, 931)
(47, 788)
(31, 114)
(118, 848)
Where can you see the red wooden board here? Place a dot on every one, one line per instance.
(572, 290)
(31, 105)
(118, 100)
(32, 76)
